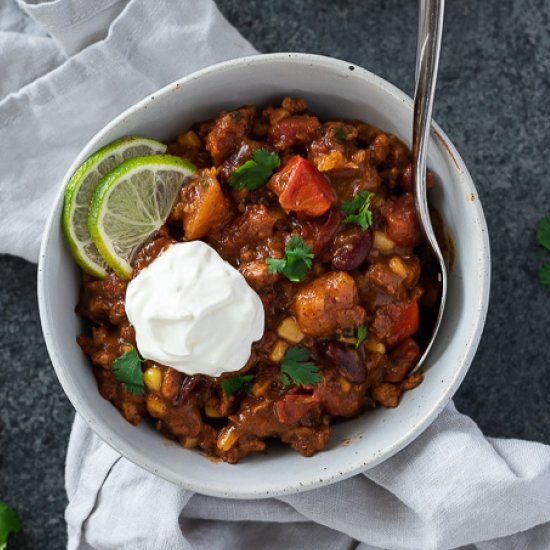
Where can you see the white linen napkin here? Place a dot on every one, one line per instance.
(451, 488)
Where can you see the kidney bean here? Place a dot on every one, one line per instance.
(350, 249)
(347, 361)
(187, 386)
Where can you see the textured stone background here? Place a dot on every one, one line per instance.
(493, 102)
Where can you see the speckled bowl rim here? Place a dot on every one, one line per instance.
(344, 470)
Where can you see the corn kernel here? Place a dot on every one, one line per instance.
(155, 406)
(382, 242)
(348, 340)
(375, 346)
(398, 267)
(227, 438)
(333, 160)
(290, 331)
(152, 378)
(189, 442)
(126, 347)
(359, 156)
(278, 351)
(189, 139)
(259, 389)
(344, 384)
(211, 408)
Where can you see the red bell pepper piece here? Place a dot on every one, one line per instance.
(395, 322)
(301, 188)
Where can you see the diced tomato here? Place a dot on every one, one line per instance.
(292, 408)
(301, 188)
(395, 322)
(402, 224)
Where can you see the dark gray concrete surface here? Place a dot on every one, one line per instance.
(493, 102)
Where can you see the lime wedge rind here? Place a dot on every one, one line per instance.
(79, 193)
(131, 203)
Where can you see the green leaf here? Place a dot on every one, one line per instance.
(127, 369)
(256, 171)
(361, 335)
(358, 209)
(543, 232)
(297, 369)
(297, 260)
(340, 134)
(9, 523)
(544, 275)
(236, 383)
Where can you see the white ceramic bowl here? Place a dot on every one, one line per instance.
(333, 89)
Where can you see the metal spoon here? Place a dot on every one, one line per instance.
(428, 45)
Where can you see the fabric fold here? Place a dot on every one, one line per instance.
(74, 24)
(32, 56)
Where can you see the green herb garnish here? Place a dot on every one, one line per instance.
(361, 335)
(340, 134)
(127, 369)
(256, 171)
(297, 369)
(236, 383)
(297, 260)
(543, 237)
(544, 275)
(543, 232)
(9, 523)
(358, 209)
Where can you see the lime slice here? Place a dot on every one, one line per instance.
(131, 203)
(80, 190)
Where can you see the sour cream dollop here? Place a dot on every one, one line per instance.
(193, 311)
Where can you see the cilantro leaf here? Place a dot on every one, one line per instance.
(340, 134)
(358, 209)
(544, 275)
(9, 523)
(361, 335)
(256, 171)
(235, 383)
(297, 260)
(127, 369)
(296, 369)
(543, 232)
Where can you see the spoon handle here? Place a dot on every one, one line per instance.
(428, 45)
